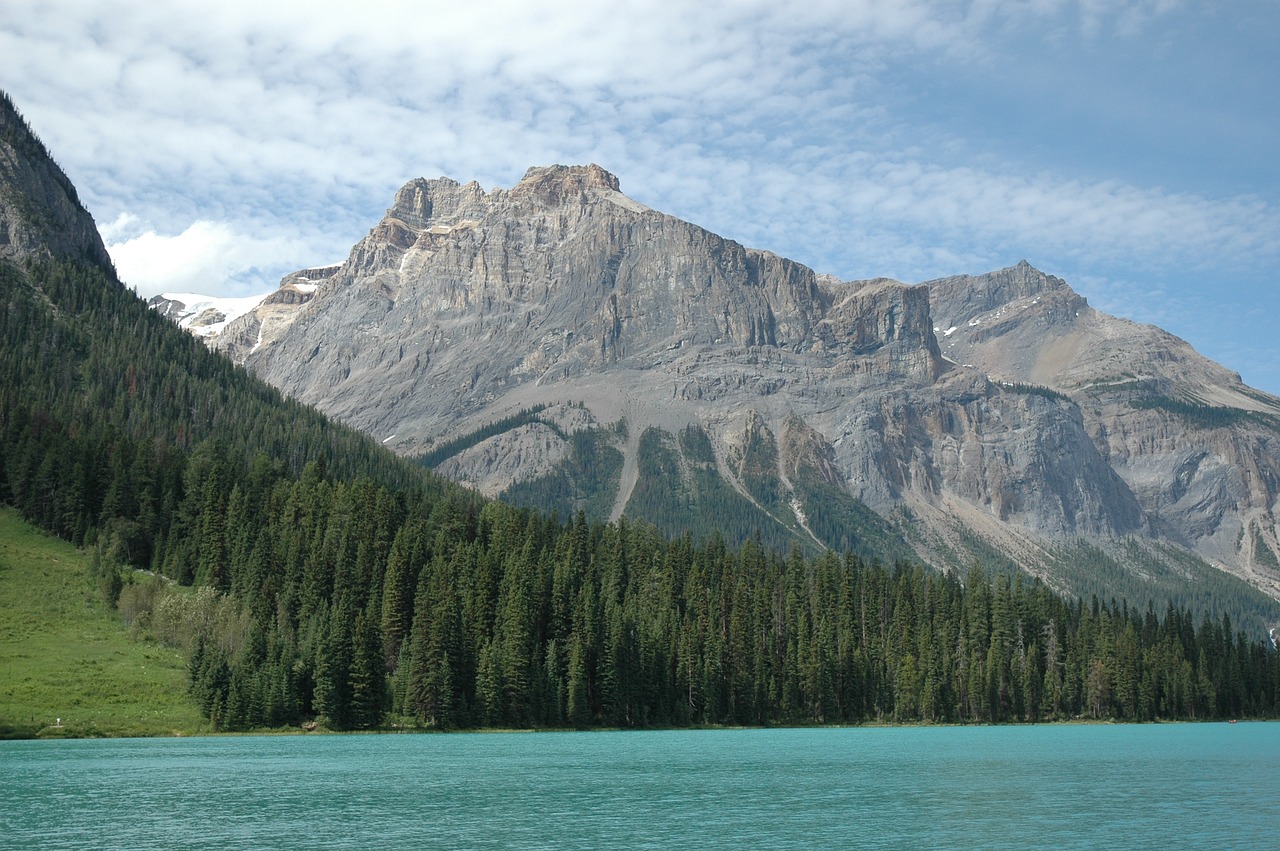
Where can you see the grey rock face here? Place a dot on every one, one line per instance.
(1002, 404)
(1019, 458)
(458, 297)
(40, 213)
(1198, 449)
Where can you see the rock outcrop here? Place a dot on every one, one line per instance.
(40, 214)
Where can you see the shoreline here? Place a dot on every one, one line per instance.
(75, 733)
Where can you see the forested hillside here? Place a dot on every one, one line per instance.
(113, 423)
(337, 583)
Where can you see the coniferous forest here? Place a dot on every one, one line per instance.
(312, 576)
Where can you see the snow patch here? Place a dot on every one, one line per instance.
(385, 439)
(207, 316)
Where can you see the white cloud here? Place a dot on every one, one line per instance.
(125, 226)
(205, 257)
(313, 113)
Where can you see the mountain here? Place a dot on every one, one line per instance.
(338, 585)
(562, 345)
(1197, 448)
(208, 317)
(203, 316)
(40, 214)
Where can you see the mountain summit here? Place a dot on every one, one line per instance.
(562, 344)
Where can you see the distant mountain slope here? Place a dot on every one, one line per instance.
(203, 316)
(971, 417)
(254, 318)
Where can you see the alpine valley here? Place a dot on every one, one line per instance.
(801, 440)
(560, 345)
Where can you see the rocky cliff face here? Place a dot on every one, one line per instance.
(1198, 449)
(40, 214)
(1000, 409)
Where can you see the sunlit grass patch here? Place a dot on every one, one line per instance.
(64, 655)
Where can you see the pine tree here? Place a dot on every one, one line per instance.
(368, 686)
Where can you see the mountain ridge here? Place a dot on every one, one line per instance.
(40, 211)
(998, 405)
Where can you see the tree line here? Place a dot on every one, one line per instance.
(461, 614)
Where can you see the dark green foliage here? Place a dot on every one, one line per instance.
(106, 572)
(844, 522)
(1205, 416)
(978, 550)
(586, 480)
(584, 625)
(682, 491)
(661, 495)
(1152, 571)
(695, 443)
(450, 448)
(1035, 390)
(759, 472)
(1263, 554)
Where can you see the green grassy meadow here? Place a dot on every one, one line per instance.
(63, 654)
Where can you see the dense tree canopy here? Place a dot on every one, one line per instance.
(485, 615)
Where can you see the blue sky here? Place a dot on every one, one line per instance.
(1128, 147)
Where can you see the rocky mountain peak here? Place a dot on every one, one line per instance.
(559, 182)
(421, 202)
(424, 205)
(961, 299)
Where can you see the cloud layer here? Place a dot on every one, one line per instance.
(229, 143)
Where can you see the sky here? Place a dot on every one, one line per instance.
(1127, 146)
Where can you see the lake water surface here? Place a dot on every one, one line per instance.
(1156, 786)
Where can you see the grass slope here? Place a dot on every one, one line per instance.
(64, 655)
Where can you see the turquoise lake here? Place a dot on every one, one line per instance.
(1155, 786)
